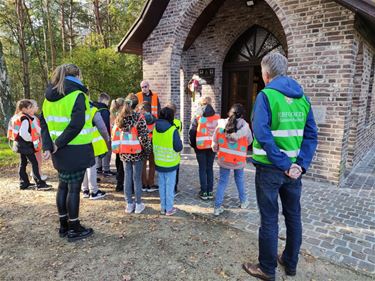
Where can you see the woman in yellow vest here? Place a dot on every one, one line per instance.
(230, 140)
(166, 144)
(130, 139)
(67, 134)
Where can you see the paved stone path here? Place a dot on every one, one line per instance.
(338, 223)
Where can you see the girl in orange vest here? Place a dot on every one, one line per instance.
(231, 139)
(26, 142)
(200, 137)
(130, 139)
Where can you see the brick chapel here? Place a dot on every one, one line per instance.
(330, 46)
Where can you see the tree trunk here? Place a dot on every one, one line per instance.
(71, 34)
(22, 46)
(98, 22)
(51, 36)
(6, 107)
(62, 26)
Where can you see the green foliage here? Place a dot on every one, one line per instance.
(105, 70)
(7, 156)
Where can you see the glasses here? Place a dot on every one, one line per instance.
(143, 87)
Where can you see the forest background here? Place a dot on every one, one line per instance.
(38, 35)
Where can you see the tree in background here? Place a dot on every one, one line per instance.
(37, 35)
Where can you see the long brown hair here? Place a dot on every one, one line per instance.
(61, 72)
(21, 104)
(130, 103)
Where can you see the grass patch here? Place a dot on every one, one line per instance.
(7, 156)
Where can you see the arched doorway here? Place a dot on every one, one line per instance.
(242, 76)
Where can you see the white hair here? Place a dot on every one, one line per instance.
(275, 64)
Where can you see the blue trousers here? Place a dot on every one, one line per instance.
(270, 183)
(166, 182)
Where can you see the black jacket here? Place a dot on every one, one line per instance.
(69, 158)
(205, 111)
(104, 112)
(25, 147)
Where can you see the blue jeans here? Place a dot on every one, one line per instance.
(133, 175)
(223, 183)
(270, 183)
(166, 182)
(206, 159)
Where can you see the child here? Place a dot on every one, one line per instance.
(100, 144)
(178, 124)
(115, 109)
(130, 139)
(231, 139)
(148, 176)
(200, 137)
(103, 163)
(36, 123)
(167, 144)
(26, 142)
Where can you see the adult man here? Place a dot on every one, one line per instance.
(147, 95)
(285, 140)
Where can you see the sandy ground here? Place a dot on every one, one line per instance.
(148, 246)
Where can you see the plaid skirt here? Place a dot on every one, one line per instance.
(71, 177)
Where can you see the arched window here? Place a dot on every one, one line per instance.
(254, 44)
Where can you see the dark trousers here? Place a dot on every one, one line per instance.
(24, 178)
(270, 183)
(177, 174)
(67, 199)
(206, 159)
(120, 173)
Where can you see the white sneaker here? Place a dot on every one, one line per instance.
(139, 208)
(245, 204)
(218, 211)
(129, 208)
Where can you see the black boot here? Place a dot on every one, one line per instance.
(64, 227)
(77, 231)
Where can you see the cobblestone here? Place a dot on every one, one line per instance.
(338, 222)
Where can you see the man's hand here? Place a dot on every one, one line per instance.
(46, 155)
(294, 171)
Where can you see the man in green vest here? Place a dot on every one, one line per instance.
(285, 140)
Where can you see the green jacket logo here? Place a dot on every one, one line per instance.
(288, 100)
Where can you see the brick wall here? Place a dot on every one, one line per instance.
(322, 52)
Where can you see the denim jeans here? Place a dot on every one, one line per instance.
(166, 189)
(104, 162)
(133, 175)
(270, 183)
(206, 159)
(223, 183)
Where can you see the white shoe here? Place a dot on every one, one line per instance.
(245, 204)
(129, 208)
(139, 208)
(218, 211)
(44, 177)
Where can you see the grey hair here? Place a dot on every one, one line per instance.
(275, 64)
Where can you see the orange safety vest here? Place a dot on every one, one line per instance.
(125, 142)
(150, 128)
(15, 125)
(205, 130)
(154, 102)
(231, 152)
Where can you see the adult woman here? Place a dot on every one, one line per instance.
(67, 136)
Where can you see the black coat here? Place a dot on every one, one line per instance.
(69, 158)
(22, 146)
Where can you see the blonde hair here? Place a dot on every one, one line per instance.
(205, 100)
(130, 103)
(60, 73)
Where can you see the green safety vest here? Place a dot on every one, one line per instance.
(177, 123)
(162, 144)
(98, 143)
(287, 125)
(58, 115)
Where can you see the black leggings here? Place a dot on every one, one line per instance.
(22, 169)
(67, 199)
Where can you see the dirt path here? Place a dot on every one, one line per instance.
(127, 247)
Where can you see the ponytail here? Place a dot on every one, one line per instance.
(236, 112)
(59, 74)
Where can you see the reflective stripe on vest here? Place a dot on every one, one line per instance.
(231, 152)
(58, 116)
(288, 120)
(162, 144)
(125, 142)
(154, 102)
(98, 143)
(205, 130)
